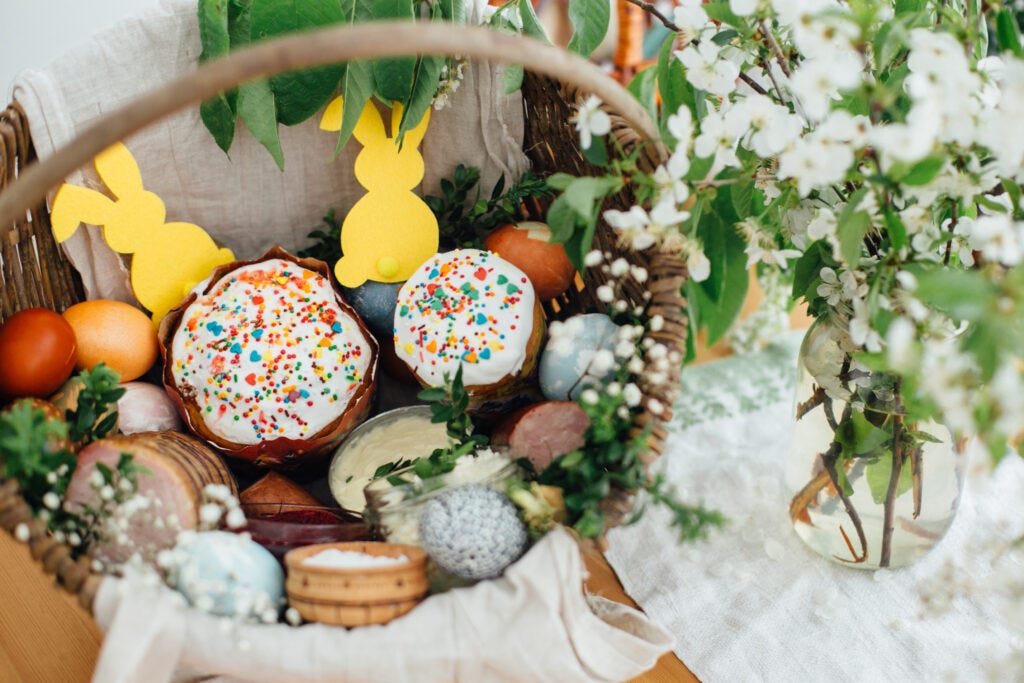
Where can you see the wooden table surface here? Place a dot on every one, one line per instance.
(45, 637)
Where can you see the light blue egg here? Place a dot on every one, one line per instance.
(227, 574)
(567, 355)
(375, 304)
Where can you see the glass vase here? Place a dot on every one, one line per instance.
(870, 487)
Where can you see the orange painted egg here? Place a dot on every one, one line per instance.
(114, 333)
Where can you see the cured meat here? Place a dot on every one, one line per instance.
(170, 493)
(543, 431)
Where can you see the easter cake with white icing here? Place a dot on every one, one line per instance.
(267, 362)
(473, 308)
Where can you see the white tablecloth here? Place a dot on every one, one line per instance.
(754, 603)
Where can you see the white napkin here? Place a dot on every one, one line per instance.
(754, 603)
(533, 624)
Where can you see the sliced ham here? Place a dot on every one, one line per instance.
(180, 467)
(543, 431)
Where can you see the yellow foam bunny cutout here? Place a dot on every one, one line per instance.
(390, 231)
(168, 259)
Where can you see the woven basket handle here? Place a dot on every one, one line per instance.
(324, 46)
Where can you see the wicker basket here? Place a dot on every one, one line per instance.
(34, 273)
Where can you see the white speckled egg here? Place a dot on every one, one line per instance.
(228, 575)
(569, 355)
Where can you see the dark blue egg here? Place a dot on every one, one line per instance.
(375, 304)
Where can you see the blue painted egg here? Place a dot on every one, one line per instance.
(228, 575)
(375, 304)
(569, 353)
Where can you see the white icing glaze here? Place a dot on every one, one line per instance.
(467, 306)
(269, 353)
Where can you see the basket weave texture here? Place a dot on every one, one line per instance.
(34, 273)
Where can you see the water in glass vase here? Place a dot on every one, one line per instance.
(870, 488)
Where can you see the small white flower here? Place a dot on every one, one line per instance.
(899, 340)
(602, 362)
(706, 71)
(593, 257)
(96, 480)
(655, 406)
(689, 15)
(292, 616)
(830, 287)
(605, 294)
(235, 518)
(51, 500)
(619, 267)
(589, 397)
(591, 121)
(639, 273)
(698, 265)
(209, 514)
(22, 533)
(635, 366)
(51, 477)
(680, 125)
(107, 492)
(657, 322)
(631, 394)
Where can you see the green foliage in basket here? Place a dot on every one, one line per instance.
(867, 152)
(35, 449)
(417, 83)
(464, 218)
(327, 240)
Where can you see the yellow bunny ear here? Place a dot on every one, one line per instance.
(370, 127)
(118, 170)
(73, 205)
(331, 120)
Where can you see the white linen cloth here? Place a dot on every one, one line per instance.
(754, 603)
(533, 624)
(243, 201)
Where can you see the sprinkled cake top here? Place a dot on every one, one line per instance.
(467, 306)
(268, 353)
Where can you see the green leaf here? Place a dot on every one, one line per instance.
(964, 295)
(356, 89)
(428, 73)
(512, 78)
(394, 76)
(644, 87)
(452, 10)
(597, 153)
(1008, 33)
(807, 272)
(717, 316)
(531, 24)
(742, 194)
(298, 94)
(892, 37)
(673, 87)
(719, 11)
(583, 193)
(852, 225)
(217, 113)
(1014, 192)
(257, 110)
(878, 472)
(924, 171)
(590, 20)
(560, 181)
(897, 231)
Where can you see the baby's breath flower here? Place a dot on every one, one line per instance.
(51, 500)
(22, 533)
(589, 396)
(631, 394)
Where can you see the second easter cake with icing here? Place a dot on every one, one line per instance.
(473, 308)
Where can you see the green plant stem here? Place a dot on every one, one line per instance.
(655, 12)
(829, 459)
(952, 226)
(893, 489)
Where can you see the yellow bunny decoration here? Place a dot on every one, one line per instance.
(168, 259)
(390, 231)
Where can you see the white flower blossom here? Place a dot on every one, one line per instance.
(689, 15)
(998, 238)
(589, 396)
(591, 121)
(631, 395)
(705, 70)
(51, 500)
